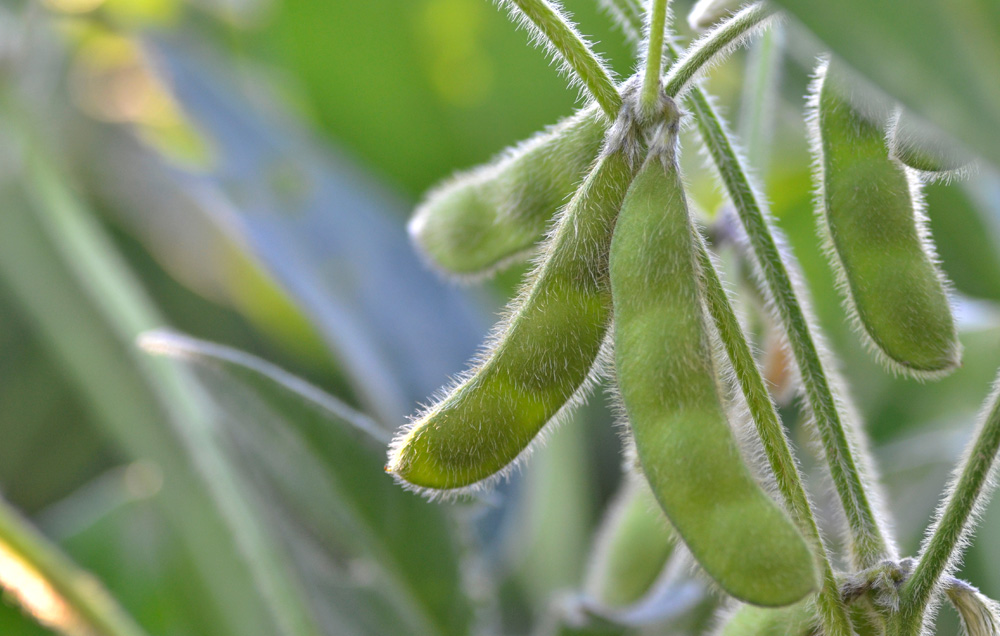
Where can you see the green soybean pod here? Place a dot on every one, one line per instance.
(480, 220)
(870, 212)
(540, 359)
(631, 548)
(669, 388)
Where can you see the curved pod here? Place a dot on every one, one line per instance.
(482, 219)
(540, 357)
(668, 385)
(870, 211)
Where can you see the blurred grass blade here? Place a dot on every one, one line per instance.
(761, 97)
(264, 375)
(322, 463)
(92, 262)
(52, 588)
(952, 83)
(124, 402)
(333, 238)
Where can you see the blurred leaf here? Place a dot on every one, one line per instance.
(90, 310)
(322, 463)
(420, 88)
(966, 239)
(333, 238)
(49, 442)
(78, 337)
(114, 527)
(53, 589)
(941, 59)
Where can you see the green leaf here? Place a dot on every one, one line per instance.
(320, 464)
(70, 278)
(332, 236)
(940, 59)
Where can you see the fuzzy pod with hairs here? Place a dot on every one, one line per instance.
(478, 221)
(631, 548)
(541, 358)
(669, 388)
(926, 149)
(870, 213)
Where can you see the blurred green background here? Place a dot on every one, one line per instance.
(246, 167)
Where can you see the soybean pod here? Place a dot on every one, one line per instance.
(539, 359)
(632, 546)
(800, 619)
(669, 388)
(478, 221)
(870, 212)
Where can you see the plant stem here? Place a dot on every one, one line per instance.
(86, 598)
(654, 55)
(564, 38)
(700, 55)
(953, 523)
(835, 619)
(869, 542)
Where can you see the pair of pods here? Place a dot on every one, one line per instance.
(870, 213)
(543, 355)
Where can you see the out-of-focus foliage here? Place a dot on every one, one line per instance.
(242, 170)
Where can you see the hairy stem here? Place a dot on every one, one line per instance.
(56, 592)
(954, 521)
(869, 543)
(779, 455)
(564, 38)
(649, 98)
(714, 44)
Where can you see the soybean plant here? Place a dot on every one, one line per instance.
(625, 288)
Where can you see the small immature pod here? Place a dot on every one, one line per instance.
(870, 211)
(540, 357)
(632, 546)
(799, 619)
(482, 219)
(669, 387)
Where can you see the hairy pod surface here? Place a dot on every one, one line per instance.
(668, 384)
(480, 220)
(870, 211)
(632, 546)
(540, 357)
